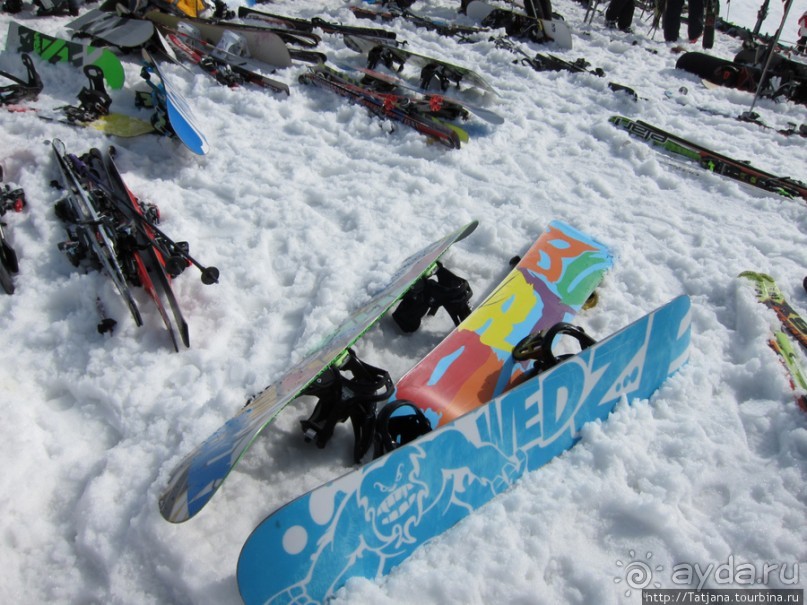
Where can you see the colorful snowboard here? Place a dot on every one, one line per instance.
(370, 520)
(55, 50)
(474, 363)
(176, 108)
(202, 472)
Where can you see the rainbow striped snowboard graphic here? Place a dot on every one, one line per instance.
(474, 363)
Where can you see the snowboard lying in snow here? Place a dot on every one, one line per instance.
(193, 483)
(370, 520)
(55, 50)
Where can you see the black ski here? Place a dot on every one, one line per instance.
(90, 232)
(147, 256)
(10, 199)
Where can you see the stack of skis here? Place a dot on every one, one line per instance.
(109, 229)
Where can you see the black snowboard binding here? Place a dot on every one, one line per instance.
(538, 347)
(21, 90)
(94, 101)
(441, 289)
(394, 430)
(443, 74)
(342, 398)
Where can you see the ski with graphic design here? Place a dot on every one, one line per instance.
(372, 519)
(433, 72)
(521, 25)
(769, 294)
(781, 344)
(711, 160)
(172, 110)
(475, 363)
(197, 478)
(55, 50)
(427, 119)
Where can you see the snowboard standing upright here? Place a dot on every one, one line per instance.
(171, 105)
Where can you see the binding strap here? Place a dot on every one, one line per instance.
(341, 398)
(441, 289)
(21, 89)
(391, 432)
(538, 347)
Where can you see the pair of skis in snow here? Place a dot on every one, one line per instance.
(499, 401)
(109, 228)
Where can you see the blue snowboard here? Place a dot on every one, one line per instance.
(370, 520)
(177, 110)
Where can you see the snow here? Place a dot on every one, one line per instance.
(308, 205)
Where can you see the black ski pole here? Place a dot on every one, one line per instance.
(771, 49)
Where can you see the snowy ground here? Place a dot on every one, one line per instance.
(308, 205)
